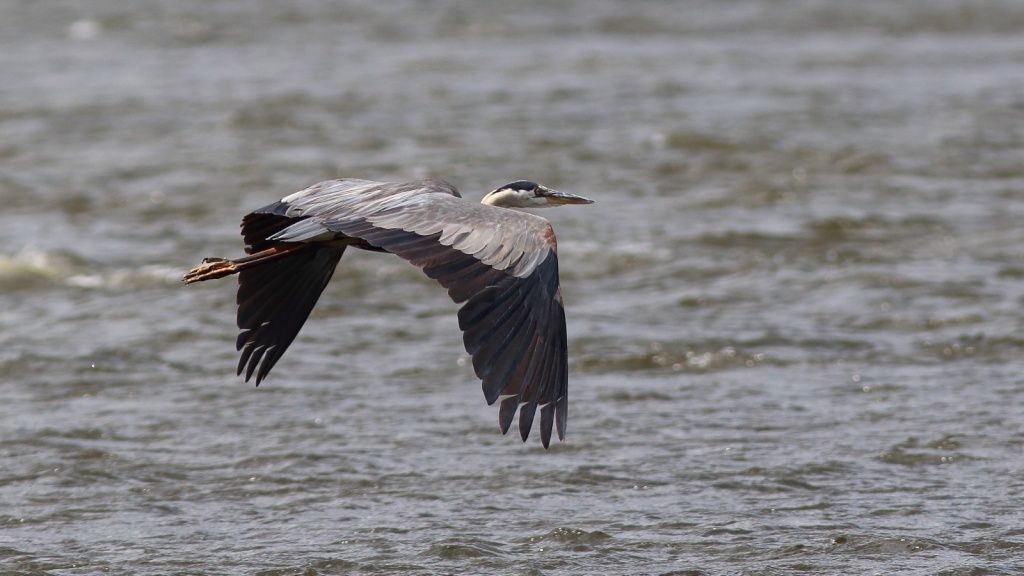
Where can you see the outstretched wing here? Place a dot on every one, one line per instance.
(501, 263)
(275, 298)
(282, 279)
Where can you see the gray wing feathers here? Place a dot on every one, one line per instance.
(349, 199)
(358, 198)
(498, 237)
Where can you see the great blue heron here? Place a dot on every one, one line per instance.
(500, 262)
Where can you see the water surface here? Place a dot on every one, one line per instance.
(794, 311)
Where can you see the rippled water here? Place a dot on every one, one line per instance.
(795, 310)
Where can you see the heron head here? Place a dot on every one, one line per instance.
(526, 194)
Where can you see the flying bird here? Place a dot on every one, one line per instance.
(501, 264)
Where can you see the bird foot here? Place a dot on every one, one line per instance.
(211, 269)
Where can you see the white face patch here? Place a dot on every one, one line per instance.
(503, 198)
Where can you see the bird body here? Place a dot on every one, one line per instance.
(501, 263)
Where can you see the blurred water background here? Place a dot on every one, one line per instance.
(796, 311)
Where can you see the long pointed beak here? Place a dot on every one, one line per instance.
(556, 197)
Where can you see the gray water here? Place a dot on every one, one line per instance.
(796, 311)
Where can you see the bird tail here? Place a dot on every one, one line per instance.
(213, 268)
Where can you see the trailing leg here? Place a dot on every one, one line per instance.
(213, 268)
